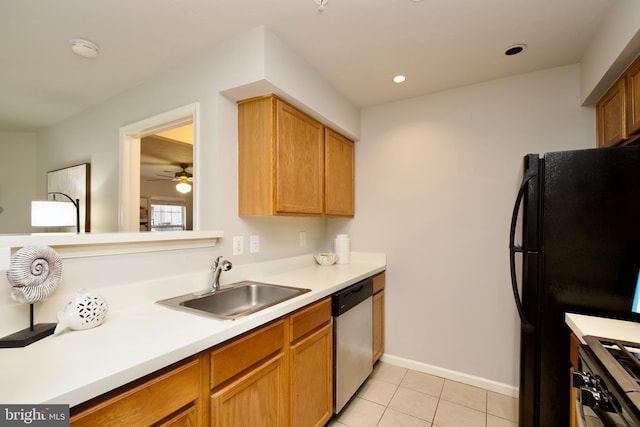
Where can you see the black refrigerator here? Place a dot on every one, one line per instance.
(579, 252)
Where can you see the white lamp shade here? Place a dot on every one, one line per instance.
(183, 187)
(52, 213)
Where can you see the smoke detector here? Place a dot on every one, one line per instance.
(84, 48)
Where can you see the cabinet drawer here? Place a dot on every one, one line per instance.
(145, 403)
(378, 282)
(232, 358)
(309, 318)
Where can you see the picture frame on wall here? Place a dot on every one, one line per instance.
(74, 181)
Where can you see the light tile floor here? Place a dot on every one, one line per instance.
(397, 397)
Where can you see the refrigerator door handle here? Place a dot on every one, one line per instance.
(513, 249)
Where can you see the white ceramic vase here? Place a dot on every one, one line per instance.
(87, 310)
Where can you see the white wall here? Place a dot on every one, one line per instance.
(612, 49)
(17, 180)
(436, 177)
(213, 79)
(247, 65)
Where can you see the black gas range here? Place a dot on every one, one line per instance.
(608, 383)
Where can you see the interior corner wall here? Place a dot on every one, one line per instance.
(611, 51)
(436, 179)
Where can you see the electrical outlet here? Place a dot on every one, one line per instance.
(238, 245)
(303, 238)
(254, 244)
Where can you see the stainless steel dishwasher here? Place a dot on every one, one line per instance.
(352, 310)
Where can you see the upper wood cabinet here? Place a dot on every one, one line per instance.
(618, 112)
(339, 175)
(289, 163)
(611, 116)
(633, 102)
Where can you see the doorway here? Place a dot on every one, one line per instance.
(161, 127)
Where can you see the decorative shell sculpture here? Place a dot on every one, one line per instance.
(87, 310)
(34, 272)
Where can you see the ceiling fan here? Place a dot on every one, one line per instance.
(183, 178)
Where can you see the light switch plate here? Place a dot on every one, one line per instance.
(238, 245)
(254, 244)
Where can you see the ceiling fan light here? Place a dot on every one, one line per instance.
(183, 187)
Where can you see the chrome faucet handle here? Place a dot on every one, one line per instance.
(216, 262)
(226, 265)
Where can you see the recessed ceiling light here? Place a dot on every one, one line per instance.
(84, 48)
(399, 78)
(515, 49)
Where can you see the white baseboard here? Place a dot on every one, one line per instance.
(494, 386)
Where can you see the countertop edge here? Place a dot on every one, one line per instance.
(152, 337)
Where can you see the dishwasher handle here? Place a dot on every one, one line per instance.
(347, 298)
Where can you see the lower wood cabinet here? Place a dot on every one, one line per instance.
(280, 374)
(255, 398)
(575, 366)
(378, 316)
(170, 397)
(311, 365)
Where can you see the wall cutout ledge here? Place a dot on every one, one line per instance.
(72, 245)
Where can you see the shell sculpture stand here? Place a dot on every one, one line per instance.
(34, 272)
(87, 310)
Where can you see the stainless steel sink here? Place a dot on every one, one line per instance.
(236, 300)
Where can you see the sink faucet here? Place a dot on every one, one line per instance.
(218, 267)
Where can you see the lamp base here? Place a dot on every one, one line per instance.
(27, 336)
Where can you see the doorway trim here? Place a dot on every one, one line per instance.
(129, 168)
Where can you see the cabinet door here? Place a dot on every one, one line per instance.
(611, 116)
(185, 418)
(378, 325)
(339, 175)
(256, 399)
(173, 391)
(633, 103)
(312, 379)
(299, 162)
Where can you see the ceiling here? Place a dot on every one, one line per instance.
(357, 45)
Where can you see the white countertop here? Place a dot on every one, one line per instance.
(583, 325)
(139, 339)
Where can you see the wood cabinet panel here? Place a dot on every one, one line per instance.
(339, 175)
(378, 315)
(633, 99)
(309, 318)
(174, 390)
(611, 116)
(185, 418)
(378, 282)
(256, 155)
(231, 359)
(299, 162)
(284, 167)
(378, 325)
(253, 400)
(311, 379)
